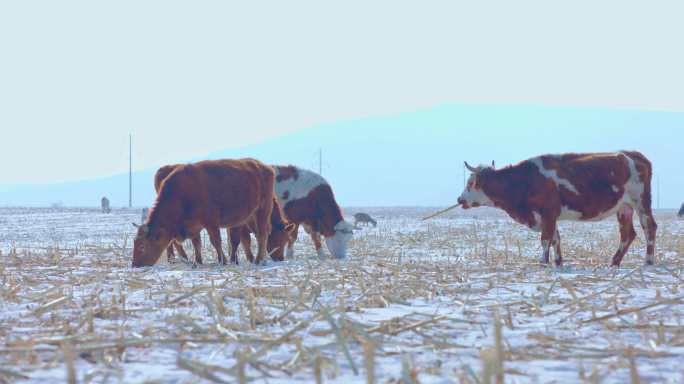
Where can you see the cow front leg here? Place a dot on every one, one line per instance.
(316, 238)
(215, 238)
(170, 254)
(289, 253)
(179, 247)
(197, 245)
(262, 229)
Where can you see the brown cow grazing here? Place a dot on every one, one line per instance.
(307, 199)
(281, 231)
(543, 190)
(208, 195)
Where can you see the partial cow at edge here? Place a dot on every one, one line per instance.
(587, 187)
(364, 218)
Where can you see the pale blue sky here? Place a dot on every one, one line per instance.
(190, 78)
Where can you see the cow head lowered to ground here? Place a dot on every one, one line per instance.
(337, 243)
(148, 245)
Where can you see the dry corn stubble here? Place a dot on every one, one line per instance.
(411, 294)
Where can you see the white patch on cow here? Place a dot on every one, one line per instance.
(634, 188)
(537, 221)
(475, 195)
(631, 196)
(569, 214)
(337, 244)
(297, 187)
(553, 175)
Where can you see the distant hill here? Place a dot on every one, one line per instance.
(415, 158)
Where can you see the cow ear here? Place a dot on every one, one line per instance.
(289, 227)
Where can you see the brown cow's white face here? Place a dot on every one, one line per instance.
(474, 194)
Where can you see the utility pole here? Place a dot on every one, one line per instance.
(320, 161)
(130, 171)
(658, 178)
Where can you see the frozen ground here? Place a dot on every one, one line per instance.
(414, 301)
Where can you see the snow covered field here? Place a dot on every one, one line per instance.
(416, 301)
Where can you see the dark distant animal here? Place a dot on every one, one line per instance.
(364, 218)
(543, 190)
(281, 231)
(308, 199)
(208, 195)
(681, 211)
(104, 205)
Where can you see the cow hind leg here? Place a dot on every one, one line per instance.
(556, 243)
(649, 225)
(215, 238)
(246, 241)
(549, 233)
(234, 235)
(627, 233)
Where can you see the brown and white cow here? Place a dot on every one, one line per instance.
(543, 190)
(308, 199)
(208, 195)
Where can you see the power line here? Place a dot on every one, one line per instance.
(130, 171)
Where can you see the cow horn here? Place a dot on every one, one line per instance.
(136, 225)
(471, 169)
